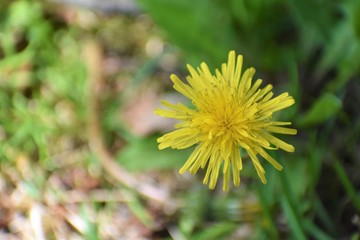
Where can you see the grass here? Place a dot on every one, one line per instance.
(78, 157)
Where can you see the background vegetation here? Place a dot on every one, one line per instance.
(78, 152)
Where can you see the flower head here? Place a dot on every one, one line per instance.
(230, 113)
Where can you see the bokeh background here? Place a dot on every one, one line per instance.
(79, 80)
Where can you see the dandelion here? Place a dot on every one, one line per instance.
(230, 114)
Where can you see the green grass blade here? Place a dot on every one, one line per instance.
(315, 231)
(291, 211)
(346, 182)
(271, 227)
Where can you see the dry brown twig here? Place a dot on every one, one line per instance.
(94, 59)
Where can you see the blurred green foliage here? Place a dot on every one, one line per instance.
(268, 33)
(133, 155)
(41, 79)
(309, 48)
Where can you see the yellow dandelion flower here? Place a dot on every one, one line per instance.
(230, 112)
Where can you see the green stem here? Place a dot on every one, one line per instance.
(290, 210)
(346, 182)
(267, 214)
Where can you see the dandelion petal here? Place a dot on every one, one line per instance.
(231, 112)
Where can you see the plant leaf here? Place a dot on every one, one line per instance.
(324, 108)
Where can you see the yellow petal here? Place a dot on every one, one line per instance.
(277, 142)
(282, 130)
